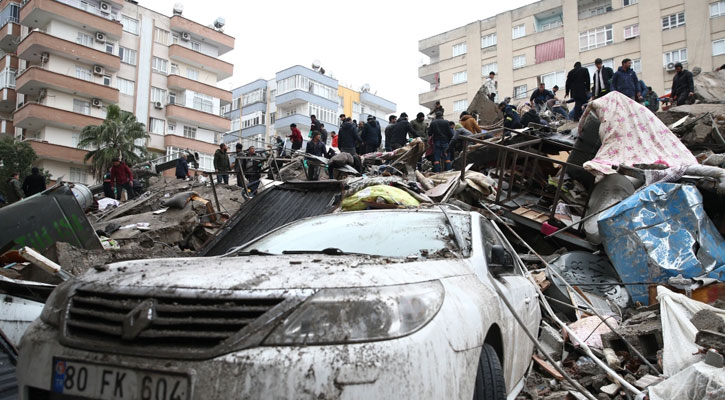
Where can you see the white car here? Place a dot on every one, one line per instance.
(357, 305)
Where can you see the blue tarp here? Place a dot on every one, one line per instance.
(660, 232)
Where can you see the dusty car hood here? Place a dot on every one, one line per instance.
(274, 272)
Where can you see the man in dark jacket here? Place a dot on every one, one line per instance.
(221, 163)
(33, 183)
(602, 79)
(182, 167)
(401, 130)
(420, 126)
(121, 176)
(15, 189)
(441, 133)
(315, 124)
(626, 82)
(683, 88)
(511, 118)
(348, 137)
(252, 169)
(578, 84)
(316, 148)
(323, 134)
(389, 132)
(540, 96)
(107, 185)
(371, 135)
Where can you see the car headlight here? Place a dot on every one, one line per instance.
(353, 315)
(55, 305)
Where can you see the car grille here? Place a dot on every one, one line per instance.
(181, 323)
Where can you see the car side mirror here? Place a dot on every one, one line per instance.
(501, 260)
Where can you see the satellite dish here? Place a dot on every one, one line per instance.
(219, 22)
(178, 8)
(316, 65)
(365, 88)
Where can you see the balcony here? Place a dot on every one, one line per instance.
(7, 85)
(180, 83)
(9, 36)
(189, 143)
(8, 98)
(281, 125)
(220, 40)
(301, 96)
(592, 8)
(199, 60)
(6, 128)
(33, 79)
(33, 116)
(37, 43)
(193, 117)
(37, 14)
(49, 151)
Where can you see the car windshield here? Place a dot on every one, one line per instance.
(388, 234)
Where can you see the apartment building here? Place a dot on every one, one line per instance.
(76, 57)
(541, 42)
(263, 109)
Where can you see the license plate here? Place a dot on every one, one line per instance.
(116, 383)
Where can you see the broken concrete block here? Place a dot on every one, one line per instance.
(551, 340)
(706, 320)
(610, 389)
(643, 332)
(714, 358)
(647, 380)
(711, 340)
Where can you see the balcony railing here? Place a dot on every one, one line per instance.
(197, 104)
(7, 78)
(93, 9)
(11, 13)
(594, 11)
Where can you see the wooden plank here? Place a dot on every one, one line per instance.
(548, 368)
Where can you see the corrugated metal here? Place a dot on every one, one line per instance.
(273, 208)
(548, 51)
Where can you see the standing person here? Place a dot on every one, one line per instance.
(360, 147)
(238, 154)
(540, 96)
(296, 137)
(389, 132)
(252, 170)
(348, 137)
(221, 163)
(420, 126)
(578, 84)
(15, 189)
(323, 134)
(316, 148)
(491, 86)
(121, 176)
(683, 87)
(440, 131)
(182, 167)
(652, 101)
(33, 183)
(107, 185)
(436, 108)
(625, 81)
(371, 135)
(401, 130)
(315, 125)
(279, 142)
(469, 122)
(602, 79)
(334, 140)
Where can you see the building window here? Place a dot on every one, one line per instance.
(626, 3)
(156, 126)
(161, 36)
(192, 73)
(235, 124)
(460, 77)
(675, 56)
(460, 105)
(323, 114)
(110, 47)
(518, 31)
(159, 65)
(594, 38)
(673, 21)
(83, 73)
(236, 103)
(127, 56)
(637, 65)
(554, 79)
(81, 107)
(631, 31)
(203, 102)
(196, 46)
(174, 68)
(171, 127)
(125, 86)
(158, 94)
(78, 175)
(607, 63)
(459, 49)
(488, 40)
(520, 92)
(717, 9)
(107, 80)
(85, 40)
(596, 10)
(189, 132)
(488, 68)
(718, 47)
(130, 25)
(520, 61)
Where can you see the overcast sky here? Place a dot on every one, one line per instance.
(376, 42)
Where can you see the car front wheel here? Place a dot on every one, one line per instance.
(490, 384)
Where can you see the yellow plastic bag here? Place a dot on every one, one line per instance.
(377, 194)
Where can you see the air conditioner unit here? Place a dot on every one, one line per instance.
(96, 103)
(100, 37)
(42, 93)
(105, 7)
(98, 70)
(670, 67)
(44, 57)
(158, 105)
(185, 36)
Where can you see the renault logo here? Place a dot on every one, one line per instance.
(138, 319)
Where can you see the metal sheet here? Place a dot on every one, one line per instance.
(273, 208)
(660, 232)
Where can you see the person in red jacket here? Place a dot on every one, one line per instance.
(121, 176)
(334, 139)
(296, 137)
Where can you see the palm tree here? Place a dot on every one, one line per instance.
(115, 138)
